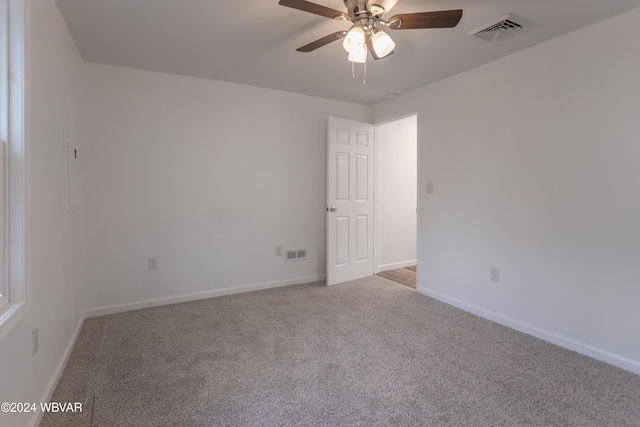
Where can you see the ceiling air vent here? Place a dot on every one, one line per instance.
(499, 28)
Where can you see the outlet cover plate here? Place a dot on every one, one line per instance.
(494, 274)
(429, 187)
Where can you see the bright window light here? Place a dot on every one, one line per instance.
(12, 194)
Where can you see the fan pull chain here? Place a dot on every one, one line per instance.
(364, 82)
(353, 72)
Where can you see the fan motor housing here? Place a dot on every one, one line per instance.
(356, 8)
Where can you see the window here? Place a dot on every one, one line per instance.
(4, 116)
(11, 157)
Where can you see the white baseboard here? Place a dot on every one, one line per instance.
(395, 265)
(57, 373)
(578, 347)
(587, 350)
(120, 308)
(100, 311)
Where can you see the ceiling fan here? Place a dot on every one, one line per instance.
(366, 16)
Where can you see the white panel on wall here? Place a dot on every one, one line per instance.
(69, 157)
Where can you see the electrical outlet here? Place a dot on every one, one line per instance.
(494, 274)
(153, 263)
(34, 342)
(429, 187)
(278, 250)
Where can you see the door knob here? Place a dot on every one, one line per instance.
(332, 209)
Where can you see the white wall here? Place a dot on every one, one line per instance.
(397, 168)
(534, 159)
(535, 164)
(55, 292)
(207, 176)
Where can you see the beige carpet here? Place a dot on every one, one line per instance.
(366, 353)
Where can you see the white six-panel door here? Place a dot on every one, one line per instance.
(350, 152)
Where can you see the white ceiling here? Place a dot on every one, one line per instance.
(254, 42)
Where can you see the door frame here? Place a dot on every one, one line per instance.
(376, 187)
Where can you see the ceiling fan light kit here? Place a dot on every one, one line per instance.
(358, 54)
(383, 45)
(354, 39)
(365, 37)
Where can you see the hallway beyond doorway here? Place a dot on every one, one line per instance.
(405, 276)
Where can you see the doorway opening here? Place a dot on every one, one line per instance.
(397, 200)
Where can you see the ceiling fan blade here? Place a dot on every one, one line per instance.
(322, 42)
(373, 52)
(374, 5)
(306, 6)
(409, 21)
